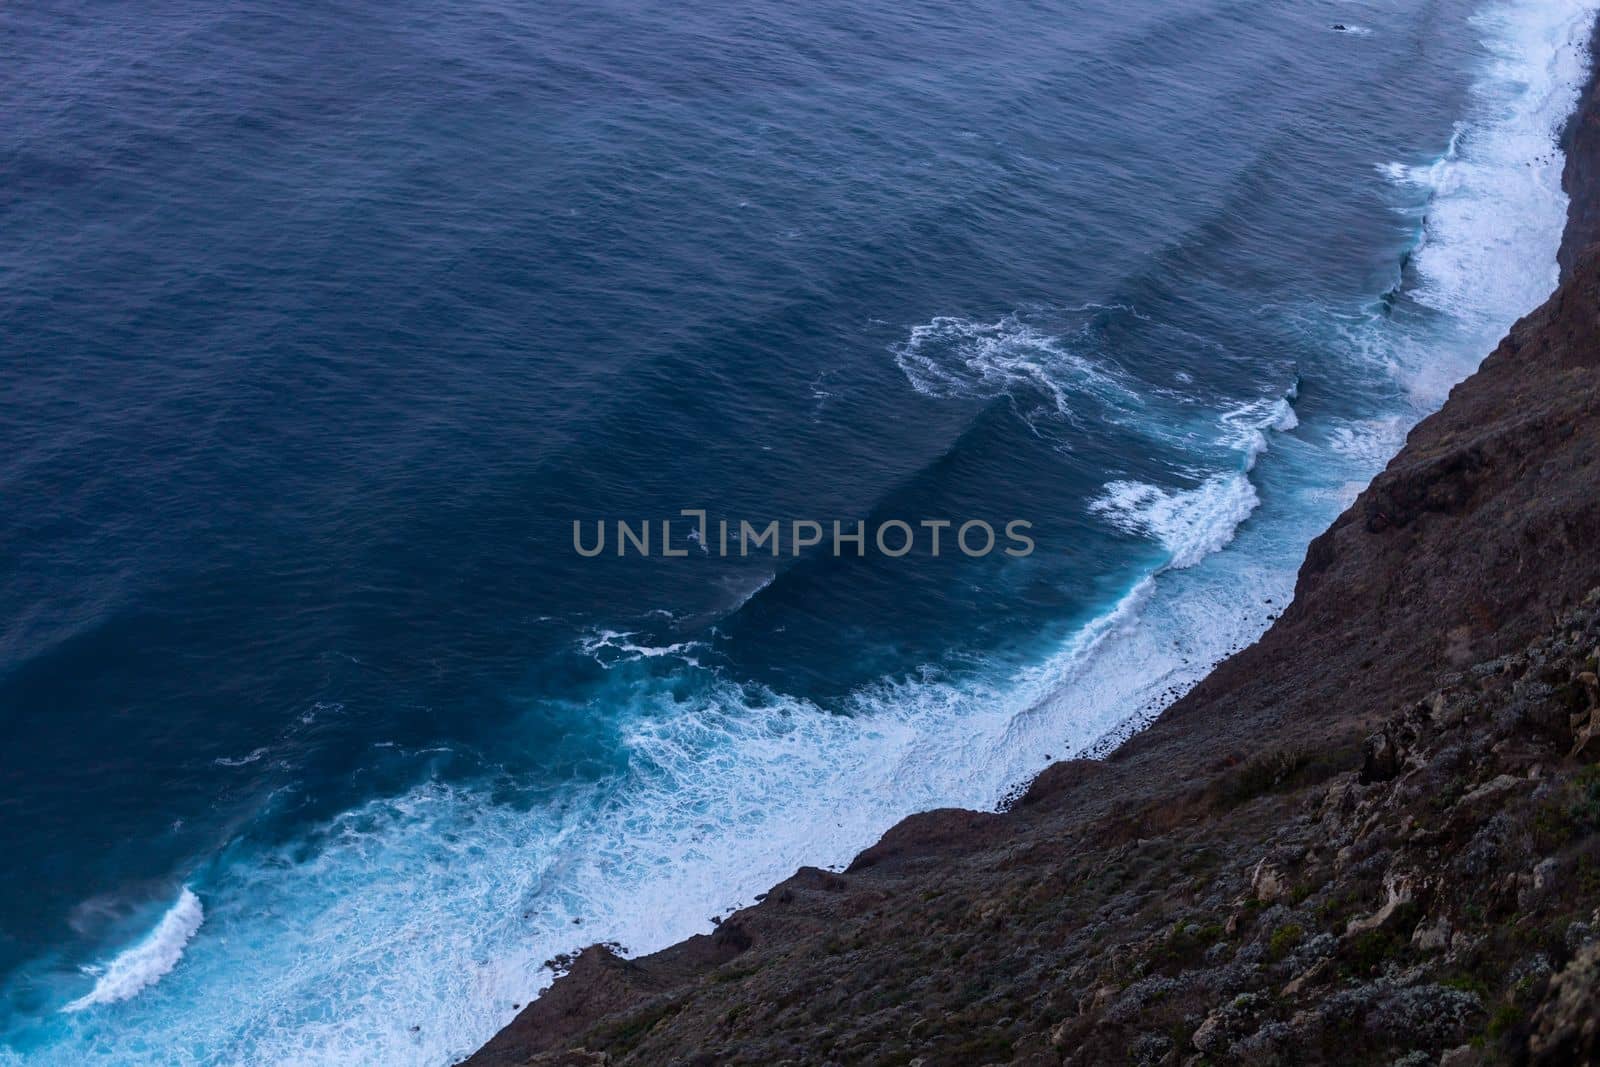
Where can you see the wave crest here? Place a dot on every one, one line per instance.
(1040, 374)
(147, 962)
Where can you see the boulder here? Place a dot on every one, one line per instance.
(1566, 1026)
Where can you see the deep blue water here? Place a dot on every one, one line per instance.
(322, 323)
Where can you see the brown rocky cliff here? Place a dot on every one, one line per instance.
(1581, 174)
(1373, 834)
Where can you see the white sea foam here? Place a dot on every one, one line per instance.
(1190, 523)
(1495, 208)
(1368, 443)
(145, 963)
(1195, 522)
(436, 910)
(1041, 374)
(609, 647)
(1246, 427)
(406, 932)
(241, 761)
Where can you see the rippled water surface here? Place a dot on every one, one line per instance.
(322, 323)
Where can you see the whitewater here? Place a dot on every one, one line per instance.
(409, 929)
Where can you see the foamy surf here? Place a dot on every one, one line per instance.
(1042, 375)
(407, 930)
(147, 962)
(1192, 523)
(410, 928)
(609, 647)
(1494, 198)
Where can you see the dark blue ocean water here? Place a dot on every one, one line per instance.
(320, 324)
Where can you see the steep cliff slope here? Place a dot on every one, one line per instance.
(1374, 834)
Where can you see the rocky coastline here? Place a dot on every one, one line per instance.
(1371, 837)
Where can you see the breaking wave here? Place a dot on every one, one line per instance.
(145, 963)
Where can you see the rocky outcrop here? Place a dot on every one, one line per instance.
(1581, 174)
(1372, 837)
(1567, 1024)
(1443, 910)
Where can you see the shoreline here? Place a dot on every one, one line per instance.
(1321, 654)
(1580, 173)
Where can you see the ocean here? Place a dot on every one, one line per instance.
(323, 324)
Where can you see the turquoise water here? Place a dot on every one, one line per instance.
(325, 323)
